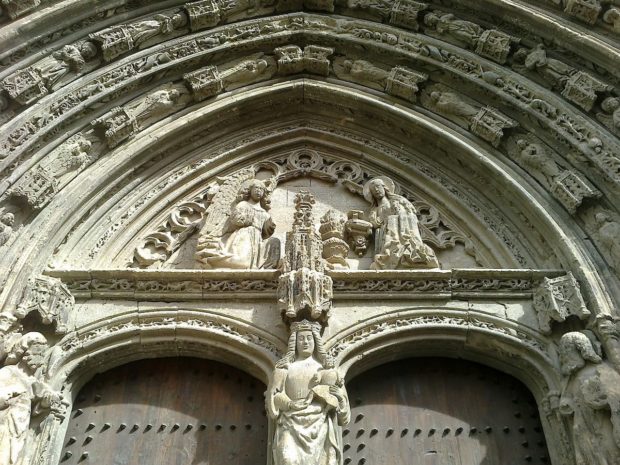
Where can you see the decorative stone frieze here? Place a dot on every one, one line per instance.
(558, 298)
(50, 298)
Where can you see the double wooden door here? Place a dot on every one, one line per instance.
(182, 411)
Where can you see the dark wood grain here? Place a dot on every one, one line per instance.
(441, 412)
(175, 411)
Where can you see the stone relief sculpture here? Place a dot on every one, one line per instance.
(590, 399)
(556, 299)
(608, 234)
(7, 220)
(308, 401)
(486, 122)
(398, 243)
(568, 187)
(577, 86)
(23, 394)
(28, 85)
(38, 186)
(9, 333)
(246, 241)
(213, 80)
(610, 114)
(117, 40)
(398, 81)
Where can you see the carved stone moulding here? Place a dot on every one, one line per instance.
(456, 283)
(168, 285)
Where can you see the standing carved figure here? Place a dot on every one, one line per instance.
(534, 157)
(398, 243)
(591, 398)
(23, 395)
(308, 401)
(608, 233)
(553, 71)
(247, 241)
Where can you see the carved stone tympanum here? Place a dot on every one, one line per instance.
(307, 401)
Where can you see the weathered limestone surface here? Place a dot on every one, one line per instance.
(307, 189)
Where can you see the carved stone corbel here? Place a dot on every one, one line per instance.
(117, 125)
(50, 298)
(403, 82)
(558, 298)
(490, 124)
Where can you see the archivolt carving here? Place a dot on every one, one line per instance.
(491, 76)
(341, 348)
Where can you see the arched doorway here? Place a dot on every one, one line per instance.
(168, 411)
(435, 411)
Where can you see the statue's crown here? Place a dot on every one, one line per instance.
(304, 325)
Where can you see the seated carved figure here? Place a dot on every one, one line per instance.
(398, 243)
(308, 401)
(591, 398)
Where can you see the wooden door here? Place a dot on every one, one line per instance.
(171, 411)
(431, 411)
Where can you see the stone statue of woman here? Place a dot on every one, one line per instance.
(307, 400)
(247, 241)
(398, 243)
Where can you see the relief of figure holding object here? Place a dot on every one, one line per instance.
(398, 243)
(308, 401)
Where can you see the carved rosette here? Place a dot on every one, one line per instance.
(50, 298)
(304, 291)
(558, 298)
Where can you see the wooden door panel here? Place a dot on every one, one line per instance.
(172, 411)
(441, 412)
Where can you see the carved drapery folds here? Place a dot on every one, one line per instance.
(304, 290)
(558, 298)
(590, 399)
(238, 229)
(24, 394)
(398, 243)
(307, 401)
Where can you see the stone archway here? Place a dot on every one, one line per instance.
(128, 130)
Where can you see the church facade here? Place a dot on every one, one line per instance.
(310, 232)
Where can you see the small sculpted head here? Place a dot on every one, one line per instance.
(7, 321)
(305, 344)
(30, 350)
